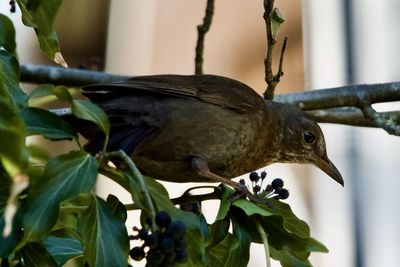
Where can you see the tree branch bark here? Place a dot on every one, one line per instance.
(341, 105)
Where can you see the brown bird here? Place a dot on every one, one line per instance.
(203, 128)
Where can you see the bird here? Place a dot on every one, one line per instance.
(202, 128)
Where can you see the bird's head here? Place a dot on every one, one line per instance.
(302, 141)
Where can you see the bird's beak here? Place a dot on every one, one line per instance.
(327, 166)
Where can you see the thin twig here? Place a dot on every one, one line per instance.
(272, 79)
(202, 30)
(136, 173)
(264, 239)
(280, 69)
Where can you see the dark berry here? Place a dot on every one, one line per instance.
(170, 257)
(277, 183)
(256, 189)
(167, 244)
(142, 233)
(242, 182)
(137, 253)
(155, 257)
(181, 256)
(163, 219)
(180, 244)
(151, 240)
(176, 229)
(263, 175)
(283, 194)
(254, 177)
(149, 221)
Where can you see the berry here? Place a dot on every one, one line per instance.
(181, 256)
(254, 177)
(155, 257)
(149, 221)
(242, 182)
(170, 257)
(167, 245)
(176, 229)
(277, 183)
(163, 219)
(256, 189)
(137, 253)
(263, 175)
(283, 194)
(180, 244)
(151, 240)
(142, 234)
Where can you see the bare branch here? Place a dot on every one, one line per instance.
(349, 116)
(350, 96)
(202, 30)
(336, 105)
(38, 74)
(280, 69)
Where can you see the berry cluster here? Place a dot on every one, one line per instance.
(275, 189)
(166, 245)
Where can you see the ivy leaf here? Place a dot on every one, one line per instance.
(35, 255)
(240, 251)
(86, 110)
(117, 208)
(62, 249)
(64, 177)
(10, 91)
(7, 35)
(13, 152)
(219, 253)
(40, 14)
(7, 244)
(47, 124)
(105, 238)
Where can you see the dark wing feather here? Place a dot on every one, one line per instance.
(216, 90)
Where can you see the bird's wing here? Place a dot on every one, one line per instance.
(216, 90)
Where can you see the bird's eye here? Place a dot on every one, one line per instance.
(309, 137)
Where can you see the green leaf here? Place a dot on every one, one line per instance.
(37, 152)
(225, 203)
(219, 253)
(47, 124)
(86, 110)
(7, 244)
(277, 19)
(251, 208)
(40, 14)
(10, 92)
(64, 177)
(104, 237)
(240, 253)
(117, 208)
(7, 35)
(63, 249)
(34, 254)
(60, 91)
(13, 152)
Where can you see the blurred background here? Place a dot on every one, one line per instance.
(331, 43)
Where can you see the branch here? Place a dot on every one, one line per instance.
(38, 74)
(202, 30)
(346, 96)
(273, 20)
(336, 105)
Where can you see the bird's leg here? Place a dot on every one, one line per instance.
(201, 167)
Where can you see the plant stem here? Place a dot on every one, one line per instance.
(201, 31)
(264, 238)
(136, 173)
